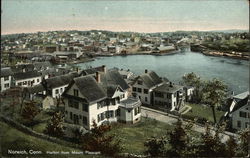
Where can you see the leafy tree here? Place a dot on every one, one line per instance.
(211, 145)
(99, 140)
(29, 111)
(231, 147)
(214, 93)
(244, 144)
(55, 125)
(191, 79)
(178, 140)
(155, 146)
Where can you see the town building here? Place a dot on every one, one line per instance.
(238, 114)
(102, 98)
(27, 79)
(6, 78)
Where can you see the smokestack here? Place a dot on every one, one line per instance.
(146, 71)
(104, 69)
(98, 77)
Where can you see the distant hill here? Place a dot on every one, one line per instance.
(230, 31)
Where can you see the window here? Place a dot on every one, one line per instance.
(139, 82)
(117, 112)
(169, 95)
(102, 116)
(102, 104)
(85, 107)
(61, 90)
(135, 113)
(146, 99)
(71, 115)
(146, 91)
(76, 92)
(84, 120)
(134, 89)
(98, 117)
(7, 85)
(73, 104)
(25, 83)
(243, 114)
(159, 95)
(57, 91)
(19, 84)
(239, 124)
(37, 80)
(6, 78)
(109, 114)
(139, 90)
(113, 101)
(247, 125)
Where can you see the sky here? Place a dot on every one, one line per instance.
(24, 16)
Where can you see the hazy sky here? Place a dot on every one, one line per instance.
(20, 16)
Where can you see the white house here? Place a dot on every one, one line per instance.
(239, 112)
(27, 79)
(55, 86)
(145, 84)
(169, 95)
(6, 78)
(103, 98)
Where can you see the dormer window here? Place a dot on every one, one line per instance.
(139, 82)
(76, 92)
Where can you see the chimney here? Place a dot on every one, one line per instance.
(146, 71)
(171, 84)
(104, 69)
(98, 77)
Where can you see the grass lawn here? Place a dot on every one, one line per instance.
(205, 112)
(134, 136)
(17, 140)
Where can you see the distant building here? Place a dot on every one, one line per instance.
(163, 49)
(27, 79)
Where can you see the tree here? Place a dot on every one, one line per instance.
(55, 125)
(29, 111)
(211, 145)
(155, 146)
(231, 147)
(191, 79)
(214, 93)
(244, 144)
(178, 140)
(99, 140)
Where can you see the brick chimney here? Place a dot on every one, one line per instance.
(98, 77)
(104, 69)
(146, 71)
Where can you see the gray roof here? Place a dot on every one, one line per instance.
(241, 95)
(168, 88)
(92, 70)
(89, 88)
(113, 77)
(151, 79)
(26, 75)
(130, 103)
(59, 81)
(40, 65)
(34, 89)
(241, 103)
(6, 72)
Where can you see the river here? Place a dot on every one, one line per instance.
(234, 72)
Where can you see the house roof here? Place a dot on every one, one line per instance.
(92, 70)
(241, 103)
(130, 103)
(40, 65)
(168, 88)
(6, 72)
(26, 75)
(150, 79)
(34, 89)
(59, 81)
(89, 88)
(241, 95)
(113, 77)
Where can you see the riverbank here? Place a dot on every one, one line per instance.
(209, 52)
(137, 53)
